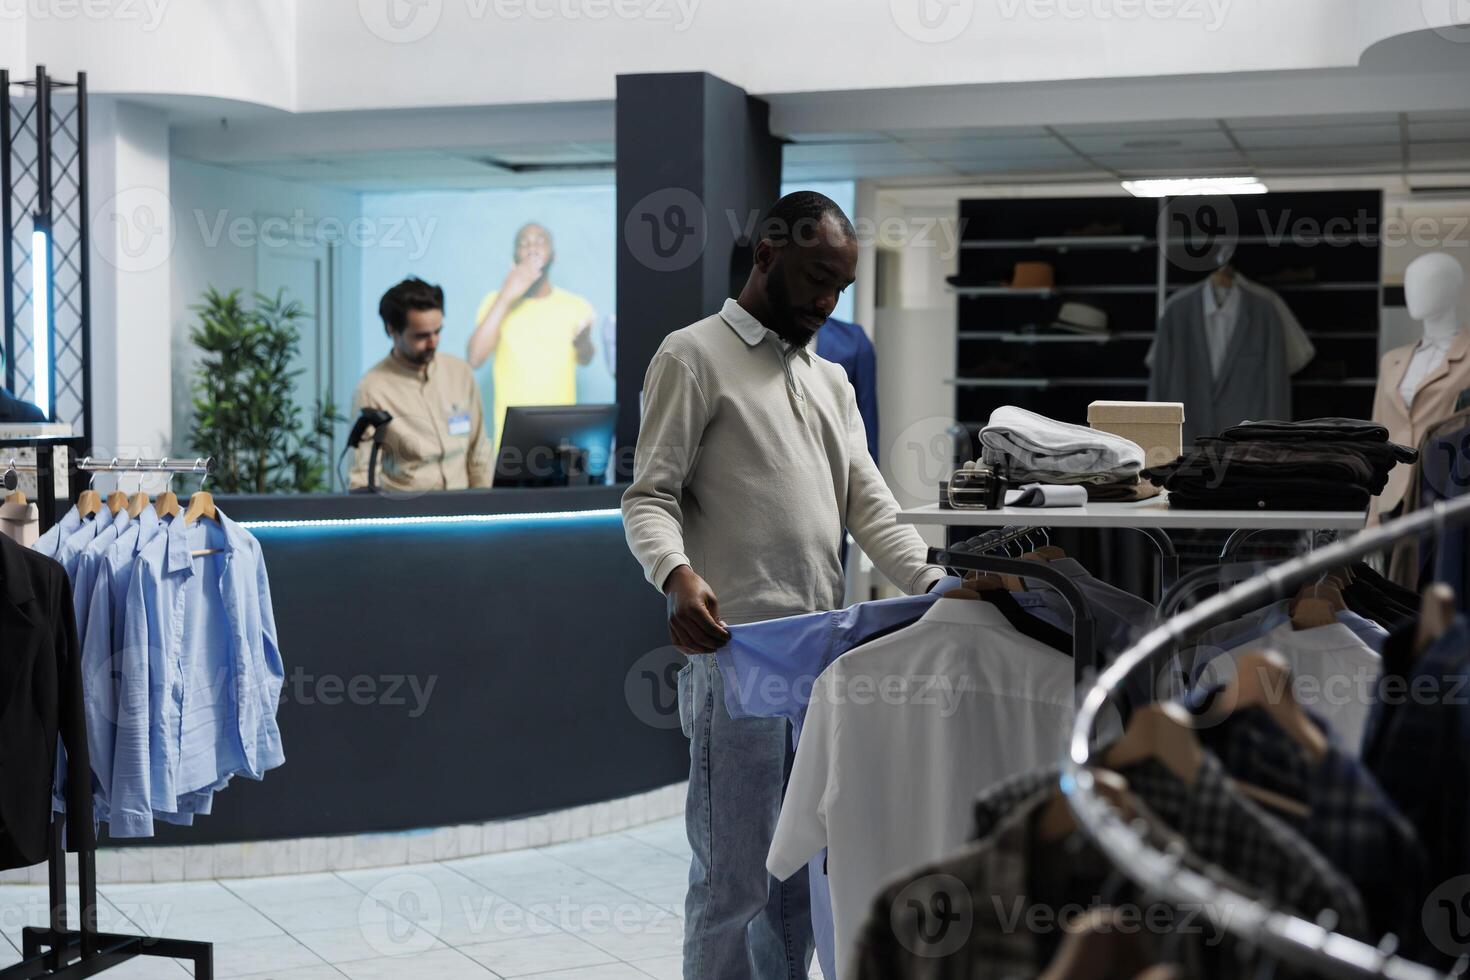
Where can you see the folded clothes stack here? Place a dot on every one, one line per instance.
(1318, 464)
(1031, 448)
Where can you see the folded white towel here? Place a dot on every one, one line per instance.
(1036, 446)
(1047, 495)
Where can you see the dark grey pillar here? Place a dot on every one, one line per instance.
(696, 165)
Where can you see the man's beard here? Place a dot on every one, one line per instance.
(419, 360)
(785, 325)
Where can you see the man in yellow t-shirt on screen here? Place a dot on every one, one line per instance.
(537, 333)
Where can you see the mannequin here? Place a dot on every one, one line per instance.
(1419, 384)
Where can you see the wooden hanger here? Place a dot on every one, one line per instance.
(167, 504)
(1317, 605)
(137, 503)
(116, 501)
(1162, 732)
(201, 504)
(1056, 822)
(1436, 612)
(1263, 680)
(89, 503)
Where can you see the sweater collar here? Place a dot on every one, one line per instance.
(750, 330)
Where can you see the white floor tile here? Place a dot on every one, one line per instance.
(208, 925)
(346, 945)
(663, 968)
(261, 892)
(261, 955)
(304, 973)
(614, 971)
(445, 964)
(536, 954)
(316, 914)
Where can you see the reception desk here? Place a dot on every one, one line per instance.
(453, 658)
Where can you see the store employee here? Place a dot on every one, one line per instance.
(436, 440)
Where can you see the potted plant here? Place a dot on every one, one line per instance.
(245, 414)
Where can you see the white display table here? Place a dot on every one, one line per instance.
(1154, 513)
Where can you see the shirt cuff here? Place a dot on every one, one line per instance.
(665, 566)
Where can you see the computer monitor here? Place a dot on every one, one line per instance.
(555, 445)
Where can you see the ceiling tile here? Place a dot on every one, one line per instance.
(1453, 129)
(1152, 127)
(1329, 157)
(1443, 115)
(1283, 139)
(1311, 122)
(1036, 165)
(856, 171)
(971, 132)
(1141, 143)
(1211, 161)
(969, 149)
(809, 153)
(1434, 155)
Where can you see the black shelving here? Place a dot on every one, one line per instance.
(1318, 250)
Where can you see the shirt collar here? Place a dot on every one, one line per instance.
(965, 612)
(408, 371)
(1228, 307)
(179, 557)
(750, 330)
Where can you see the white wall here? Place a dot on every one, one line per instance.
(319, 55)
(219, 214)
(131, 302)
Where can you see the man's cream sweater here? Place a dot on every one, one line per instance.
(751, 460)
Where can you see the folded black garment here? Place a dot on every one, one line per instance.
(1294, 495)
(1125, 492)
(1329, 429)
(1217, 463)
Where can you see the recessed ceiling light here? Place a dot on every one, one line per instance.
(1182, 186)
(1153, 144)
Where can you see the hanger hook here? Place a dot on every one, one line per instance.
(87, 465)
(139, 464)
(168, 485)
(203, 462)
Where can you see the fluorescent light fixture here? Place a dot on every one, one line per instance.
(544, 516)
(41, 320)
(1185, 186)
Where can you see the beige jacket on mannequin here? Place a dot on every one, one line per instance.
(1433, 401)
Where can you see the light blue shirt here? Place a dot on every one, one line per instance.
(768, 669)
(71, 548)
(48, 543)
(200, 673)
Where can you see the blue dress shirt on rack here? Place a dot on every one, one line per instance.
(200, 673)
(50, 542)
(847, 344)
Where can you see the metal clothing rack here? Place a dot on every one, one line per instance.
(973, 555)
(1305, 944)
(57, 952)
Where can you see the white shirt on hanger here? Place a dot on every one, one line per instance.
(1428, 356)
(900, 736)
(1333, 673)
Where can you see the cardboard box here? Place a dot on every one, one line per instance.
(1156, 426)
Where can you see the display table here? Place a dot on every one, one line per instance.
(1155, 513)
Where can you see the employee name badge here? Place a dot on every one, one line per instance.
(459, 423)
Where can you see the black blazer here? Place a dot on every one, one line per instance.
(40, 695)
(12, 409)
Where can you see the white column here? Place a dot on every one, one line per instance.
(133, 232)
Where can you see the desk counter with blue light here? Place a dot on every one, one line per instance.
(454, 658)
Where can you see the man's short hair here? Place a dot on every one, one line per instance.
(410, 294)
(797, 216)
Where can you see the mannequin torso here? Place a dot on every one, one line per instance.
(1418, 385)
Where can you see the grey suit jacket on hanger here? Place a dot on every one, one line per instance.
(1255, 378)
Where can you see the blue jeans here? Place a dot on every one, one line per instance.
(739, 922)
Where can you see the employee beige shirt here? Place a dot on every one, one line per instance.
(436, 440)
(751, 459)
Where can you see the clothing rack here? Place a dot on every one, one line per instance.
(973, 555)
(57, 952)
(201, 464)
(1309, 945)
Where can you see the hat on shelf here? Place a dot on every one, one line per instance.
(1081, 318)
(1032, 275)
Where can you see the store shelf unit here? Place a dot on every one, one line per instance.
(1114, 253)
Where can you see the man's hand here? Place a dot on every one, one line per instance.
(582, 342)
(521, 277)
(694, 613)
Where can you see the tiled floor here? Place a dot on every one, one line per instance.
(606, 908)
